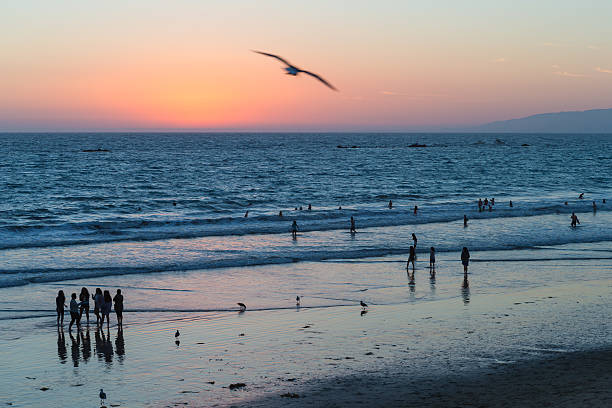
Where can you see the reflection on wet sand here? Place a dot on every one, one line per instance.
(104, 346)
(74, 349)
(120, 344)
(465, 290)
(86, 341)
(62, 353)
(80, 348)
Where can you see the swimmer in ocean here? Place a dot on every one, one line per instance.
(575, 220)
(390, 204)
(353, 230)
(465, 220)
(581, 196)
(415, 210)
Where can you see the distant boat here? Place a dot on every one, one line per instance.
(417, 145)
(95, 150)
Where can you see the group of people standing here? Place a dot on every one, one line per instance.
(103, 303)
(483, 205)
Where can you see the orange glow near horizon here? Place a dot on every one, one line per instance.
(398, 65)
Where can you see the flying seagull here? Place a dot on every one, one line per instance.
(293, 70)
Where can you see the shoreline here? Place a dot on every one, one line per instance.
(414, 341)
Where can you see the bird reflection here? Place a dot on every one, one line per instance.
(62, 353)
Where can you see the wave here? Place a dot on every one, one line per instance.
(20, 277)
(135, 228)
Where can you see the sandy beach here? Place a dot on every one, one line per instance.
(577, 379)
(443, 345)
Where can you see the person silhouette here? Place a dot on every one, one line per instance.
(60, 304)
(118, 299)
(294, 229)
(411, 257)
(432, 260)
(465, 259)
(353, 230)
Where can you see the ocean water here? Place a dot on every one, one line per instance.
(176, 202)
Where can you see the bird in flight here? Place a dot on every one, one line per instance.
(293, 70)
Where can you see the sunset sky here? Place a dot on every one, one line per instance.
(399, 65)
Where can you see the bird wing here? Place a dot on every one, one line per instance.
(319, 78)
(273, 56)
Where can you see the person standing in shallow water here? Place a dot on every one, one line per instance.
(84, 299)
(106, 309)
(432, 260)
(60, 304)
(353, 229)
(294, 229)
(414, 239)
(574, 220)
(390, 204)
(465, 220)
(119, 307)
(98, 299)
(74, 312)
(411, 258)
(465, 259)
(416, 209)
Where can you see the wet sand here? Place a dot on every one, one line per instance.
(478, 346)
(579, 379)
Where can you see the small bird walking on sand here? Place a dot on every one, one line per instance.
(293, 70)
(177, 334)
(297, 300)
(363, 305)
(242, 306)
(102, 396)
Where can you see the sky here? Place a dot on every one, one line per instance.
(399, 65)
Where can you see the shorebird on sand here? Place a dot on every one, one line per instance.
(363, 305)
(297, 300)
(242, 306)
(102, 396)
(293, 70)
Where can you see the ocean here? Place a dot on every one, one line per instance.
(153, 202)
